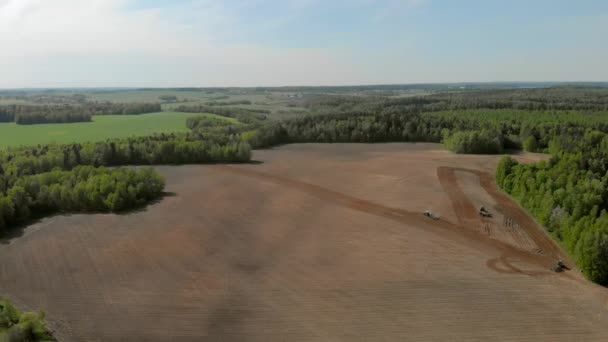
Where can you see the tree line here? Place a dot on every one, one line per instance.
(228, 103)
(553, 98)
(569, 196)
(29, 114)
(474, 142)
(176, 148)
(206, 122)
(581, 99)
(37, 180)
(244, 115)
(168, 98)
(84, 188)
(512, 129)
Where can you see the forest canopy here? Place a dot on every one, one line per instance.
(43, 114)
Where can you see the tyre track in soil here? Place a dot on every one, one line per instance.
(457, 232)
(547, 248)
(463, 208)
(511, 209)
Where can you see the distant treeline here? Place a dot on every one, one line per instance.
(28, 115)
(206, 122)
(168, 98)
(228, 103)
(41, 117)
(569, 196)
(542, 99)
(461, 86)
(474, 142)
(470, 131)
(175, 148)
(558, 98)
(244, 115)
(47, 98)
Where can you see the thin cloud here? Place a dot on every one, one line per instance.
(188, 43)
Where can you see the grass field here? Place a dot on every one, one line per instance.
(102, 127)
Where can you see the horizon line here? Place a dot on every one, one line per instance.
(311, 86)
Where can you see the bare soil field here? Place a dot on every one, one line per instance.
(315, 243)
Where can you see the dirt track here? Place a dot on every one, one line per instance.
(545, 251)
(319, 242)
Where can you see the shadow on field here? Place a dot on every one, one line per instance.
(15, 232)
(144, 206)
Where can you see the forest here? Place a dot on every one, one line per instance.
(569, 196)
(43, 114)
(513, 129)
(244, 115)
(555, 98)
(567, 98)
(205, 122)
(228, 103)
(82, 189)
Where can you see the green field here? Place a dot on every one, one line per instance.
(102, 127)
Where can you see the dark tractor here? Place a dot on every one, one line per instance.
(483, 212)
(430, 215)
(559, 267)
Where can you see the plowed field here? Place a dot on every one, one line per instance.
(314, 243)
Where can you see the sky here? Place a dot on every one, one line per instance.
(206, 43)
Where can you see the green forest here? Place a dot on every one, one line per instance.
(44, 114)
(569, 196)
(244, 115)
(43, 179)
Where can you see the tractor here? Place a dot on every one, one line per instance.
(483, 212)
(559, 267)
(429, 214)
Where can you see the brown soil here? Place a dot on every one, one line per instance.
(316, 243)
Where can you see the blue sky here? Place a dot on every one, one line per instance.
(299, 42)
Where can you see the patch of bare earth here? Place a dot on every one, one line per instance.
(316, 243)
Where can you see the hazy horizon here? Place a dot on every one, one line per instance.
(507, 84)
(205, 43)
